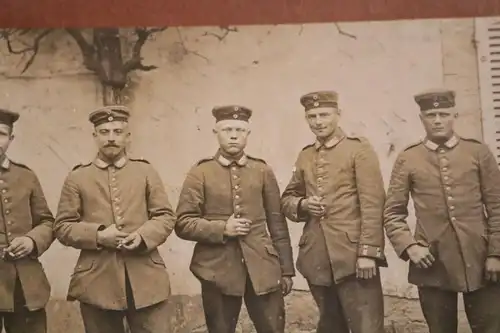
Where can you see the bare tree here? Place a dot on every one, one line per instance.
(101, 49)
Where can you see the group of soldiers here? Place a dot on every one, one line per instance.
(116, 211)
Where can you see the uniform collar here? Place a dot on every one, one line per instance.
(5, 164)
(242, 161)
(452, 142)
(119, 163)
(338, 135)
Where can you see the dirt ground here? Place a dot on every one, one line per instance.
(186, 316)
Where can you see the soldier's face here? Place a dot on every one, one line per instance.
(112, 138)
(323, 121)
(6, 138)
(232, 135)
(439, 123)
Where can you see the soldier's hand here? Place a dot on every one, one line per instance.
(131, 242)
(20, 247)
(286, 285)
(110, 237)
(313, 205)
(420, 256)
(366, 268)
(492, 268)
(237, 226)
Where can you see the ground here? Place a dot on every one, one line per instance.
(186, 316)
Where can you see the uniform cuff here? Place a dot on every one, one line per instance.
(370, 251)
(494, 246)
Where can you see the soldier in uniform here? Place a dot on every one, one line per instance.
(455, 186)
(230, 206)
(25, 234)
(337, 190)
(116, 211)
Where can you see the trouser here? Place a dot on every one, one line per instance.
(481, 308)
(21, 320)
(354, 304)
(267, 312)
(151, 319)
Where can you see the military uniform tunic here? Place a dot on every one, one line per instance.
(345, 173)
(24, 212)
(455, 188)
(214, 189)
(131, 195)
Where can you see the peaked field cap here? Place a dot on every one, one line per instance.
(8, 117)
(318, 99)
(439, 98)
(235, 112)
(108, 114)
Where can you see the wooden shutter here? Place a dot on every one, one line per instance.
(487, 39)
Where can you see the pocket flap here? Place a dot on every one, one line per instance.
(272, 250)
(83, 266)
(156, 258)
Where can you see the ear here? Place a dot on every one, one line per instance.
(94, 134)
(339, 112)
(12, 136)
(455, 115)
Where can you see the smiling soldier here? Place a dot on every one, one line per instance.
(337, 190)
(227, 205)
(455, 186)
(25, 234)
(116, 211)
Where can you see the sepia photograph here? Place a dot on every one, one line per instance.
(299, 177)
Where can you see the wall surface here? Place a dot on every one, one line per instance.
(375, 66)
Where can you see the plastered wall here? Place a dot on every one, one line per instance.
(376, 67)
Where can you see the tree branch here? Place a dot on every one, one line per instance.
(226, 31)
(342, 32)
(87, 49)
(135, 62)
(7, 34)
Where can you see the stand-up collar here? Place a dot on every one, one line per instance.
(242, 161)
(338, 136)
(119, 163)
(452, 142)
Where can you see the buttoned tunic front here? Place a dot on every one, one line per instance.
(131, 195)
(24, 212)
(455, 189)
(214, 189)
(345, 173)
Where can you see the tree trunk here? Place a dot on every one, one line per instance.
(111, 96)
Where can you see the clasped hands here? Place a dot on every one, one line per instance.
(19, 248)
(313, 205)
(113, 238)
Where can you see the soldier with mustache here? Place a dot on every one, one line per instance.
(116, 211)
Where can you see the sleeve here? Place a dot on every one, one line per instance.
(490, 190)
(396, 208)
(371, 194)
(294, 193)
(161, 222)
(276, 222)
(42, 233)
(69, 228)
(190, 222)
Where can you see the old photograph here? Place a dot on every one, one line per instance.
(317, 177)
